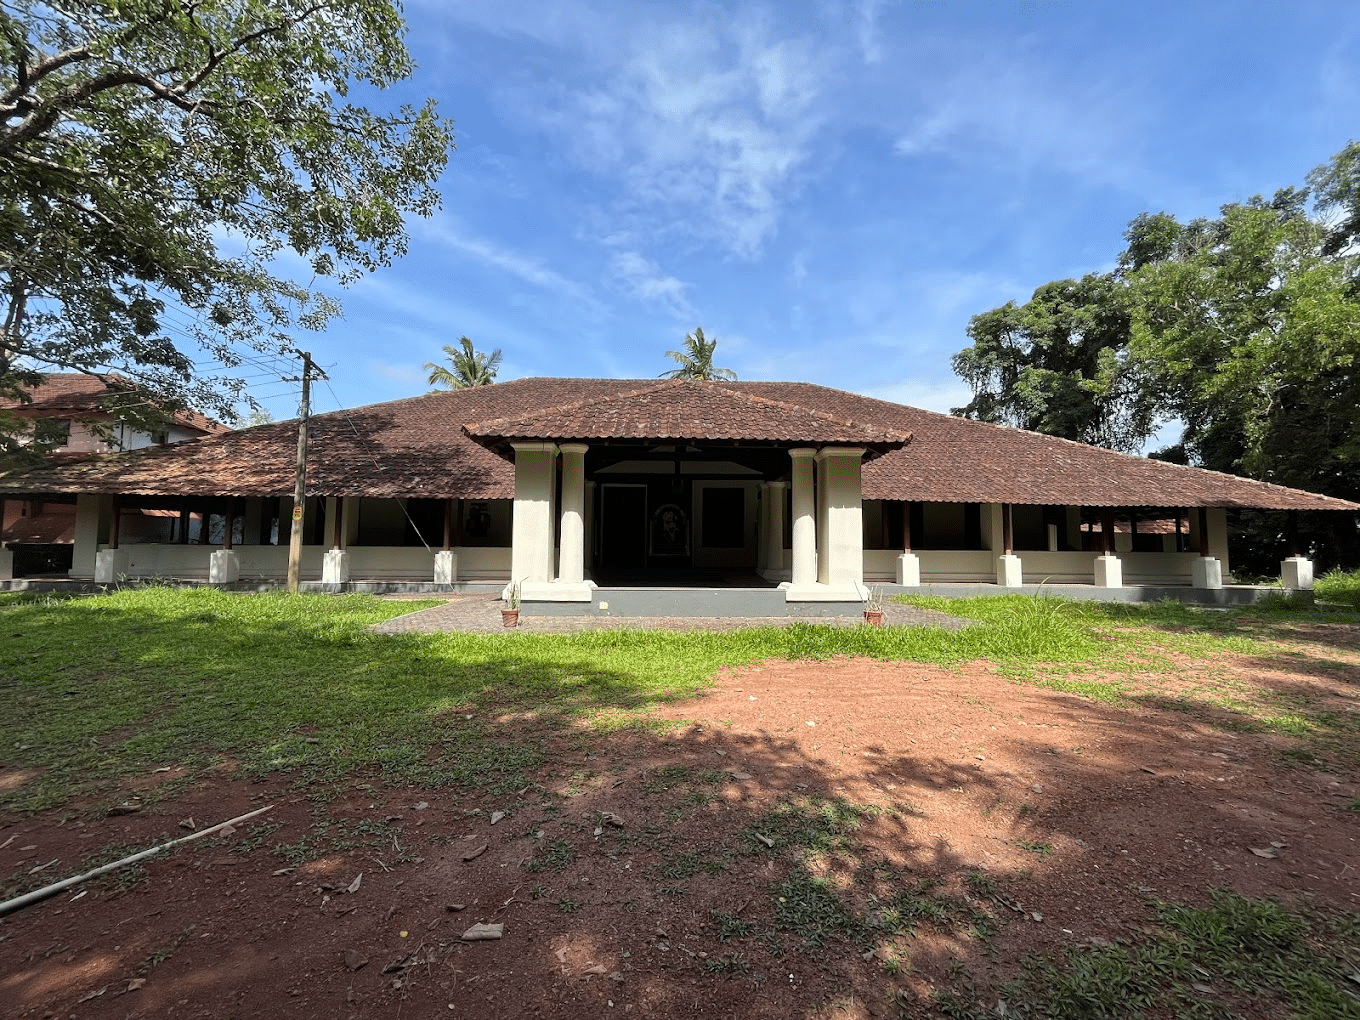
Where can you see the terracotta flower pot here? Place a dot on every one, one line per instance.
(510, 617)
(873, 617)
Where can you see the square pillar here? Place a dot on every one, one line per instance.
(1206, 572)
(909, 570)
(804, 567)
(1296, 573)
(531, 525)
(772, 531)
(1109, 572)
(92, 516)
(111, 565)
(335, 566)
(445, 567)
(1008, 571)
(572, 550)
(841, 546)
(224, 566)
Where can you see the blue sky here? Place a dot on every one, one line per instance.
(831, 189)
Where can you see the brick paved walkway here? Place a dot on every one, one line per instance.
(482, 614)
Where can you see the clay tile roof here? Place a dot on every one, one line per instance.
(424, 447)
(688, 409)
(955, 460)
(73, 394)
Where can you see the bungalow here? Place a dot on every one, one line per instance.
(563, 485)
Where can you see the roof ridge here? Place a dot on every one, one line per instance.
(893, 434)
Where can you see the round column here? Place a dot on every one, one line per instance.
(804, 519)
(571, 555)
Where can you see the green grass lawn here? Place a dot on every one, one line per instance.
(101, 687)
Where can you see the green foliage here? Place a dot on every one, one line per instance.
(1340, 587)
(1057, 365)
(135, 137)
(696, 360)
(467, 367)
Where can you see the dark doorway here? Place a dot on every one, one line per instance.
(623, 526)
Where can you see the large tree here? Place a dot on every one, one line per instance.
(160, 159)
(1057, 364)
(696, 360)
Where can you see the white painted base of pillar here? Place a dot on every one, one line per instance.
(557, 591)
(776, 574)
(335, 567)
(824, 592)
(1206, 572)
(1296, 573)
(1109, 572)
(111, 565)
(224, 566)
(1008, 573)
(909, 570)
(6, 564)
(445, 567)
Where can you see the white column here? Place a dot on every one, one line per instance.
(531, 525)
(571, 554)
(224, 566)
(804, 569)
(92, 511)
(1296, 573)
(843, 511)
(823, 538)
(774, 531)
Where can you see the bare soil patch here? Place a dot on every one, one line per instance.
(1011, 819)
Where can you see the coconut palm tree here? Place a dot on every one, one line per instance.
(696, 360)
(469, 367)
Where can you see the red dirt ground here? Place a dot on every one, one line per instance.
(1079, 812)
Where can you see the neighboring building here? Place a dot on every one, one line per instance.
(70, 410)
(561, 483)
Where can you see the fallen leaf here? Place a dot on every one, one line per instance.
(188, 823)
(610, 818)
(353, 887)
(453, 908)
(1200, 987)
(355, 960)
(616, 977)
(283, 871)
(478, 932)
(135, 983)
(738, 775)
(124, 809)
(226, 830)
(599, 968)
(93, 995)
(43, 867)
(422, 805)
(1144, 768)
(599, 830)
(1036, 915)
(561, 955)
(1270, 853)
(766, 840)
(472, 855)
(496, 816)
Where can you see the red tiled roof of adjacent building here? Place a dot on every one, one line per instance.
(419, 447)
(76, 394)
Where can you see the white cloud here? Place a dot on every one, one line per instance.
(524, 267)
(866, 24)
(647, 281)
(397, 372)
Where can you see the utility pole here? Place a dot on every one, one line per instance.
(300, 486)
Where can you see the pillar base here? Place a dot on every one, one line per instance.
(1109, 572)
(1008, 573)
(224, 566)
(909, 570)
(445, 567)
(1206, 572)
(111, 565)
(557, 591)
(1296, 573)
(6, 564)
(335, 567)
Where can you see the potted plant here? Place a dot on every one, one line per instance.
(510, 612)
(873, 608)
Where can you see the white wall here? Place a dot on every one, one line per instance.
(270, 562)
